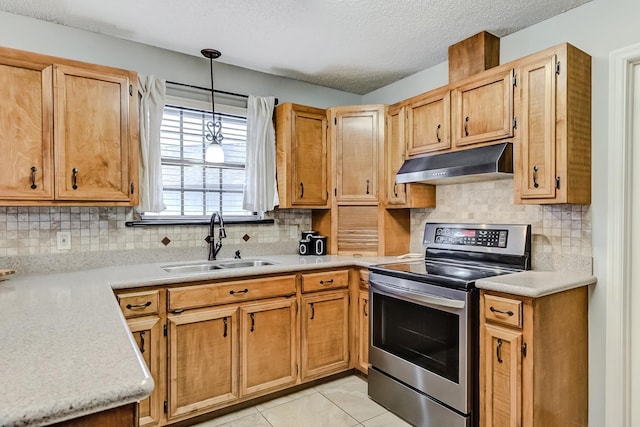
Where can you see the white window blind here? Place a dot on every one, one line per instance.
(193, 188)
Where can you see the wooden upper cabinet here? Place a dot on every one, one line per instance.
(402, 195)
(92, 135)
(71, 131)
(26, 138)
(483, 107)
(553, 159)
(358, 138)
(428, 122)
(395, 193)
(302, 168)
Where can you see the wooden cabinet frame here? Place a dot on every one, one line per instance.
(483, 107)
(84, 112)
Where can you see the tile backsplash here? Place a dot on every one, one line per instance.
(33, 230)
(561, 233)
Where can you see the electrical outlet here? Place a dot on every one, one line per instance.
(64, 240)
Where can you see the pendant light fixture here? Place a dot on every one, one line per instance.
(214, 152)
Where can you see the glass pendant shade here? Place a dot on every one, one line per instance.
(214, 153)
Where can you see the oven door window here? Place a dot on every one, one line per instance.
(422, 335)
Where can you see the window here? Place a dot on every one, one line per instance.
(194, 189)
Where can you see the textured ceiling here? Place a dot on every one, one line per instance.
(352, 45)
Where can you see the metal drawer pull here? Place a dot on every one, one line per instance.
(301, 190)
(253, 322)
(364, 308)
(495, 310)
(395, 189)
(224, 320)
(33, 177)
(74, 179)
(138, 306)
(244, 291)
(326, 282)
(498, 350)
(535, 176)
(367, 186)
(438, 133)
(466, 126)
(142, 342)
(313, 311)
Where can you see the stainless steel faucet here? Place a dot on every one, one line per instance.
(215, 246)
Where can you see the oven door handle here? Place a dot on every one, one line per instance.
(407, 294)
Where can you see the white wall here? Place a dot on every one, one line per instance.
(598, 28)
(24, 33)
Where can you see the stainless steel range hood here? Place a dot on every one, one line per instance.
(475, 164)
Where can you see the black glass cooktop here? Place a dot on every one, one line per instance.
(446, 274)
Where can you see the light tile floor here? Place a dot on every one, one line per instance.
(340, 403)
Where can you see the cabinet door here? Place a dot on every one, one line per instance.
(269, 346)
(203, 360)
(357, 230)
(359, 134)
(484, 108)
(363, 331)
(538, 141)
(309, 183)
(147, 333)
(428, 123)
(395, 194)
(91, 135)
(501, 365)
(26, 130)
(325, 333)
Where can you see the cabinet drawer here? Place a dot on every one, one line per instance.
(504, 311)
(228, 292)
(139, 303)
(326, 280)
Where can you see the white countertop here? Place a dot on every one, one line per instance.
(67, 351)
(536, 284)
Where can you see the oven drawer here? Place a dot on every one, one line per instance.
(139, 303)
(504, 311)
(312, 282)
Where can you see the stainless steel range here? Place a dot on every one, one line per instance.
(424, 321)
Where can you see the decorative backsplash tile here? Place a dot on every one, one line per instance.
(561, 233)
(32, 230)
(562, 230)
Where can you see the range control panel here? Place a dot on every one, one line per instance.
(471, 237)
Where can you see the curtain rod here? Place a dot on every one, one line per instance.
(215, 90)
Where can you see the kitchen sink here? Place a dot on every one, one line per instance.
(203, 267)
(245, 263)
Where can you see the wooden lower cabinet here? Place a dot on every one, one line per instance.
(203, 360)
(534, 359)
(363, 331)
(269, 346)
(147, 331)
(325, 333)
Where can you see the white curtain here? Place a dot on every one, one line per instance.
(260, 191)
(152, 96)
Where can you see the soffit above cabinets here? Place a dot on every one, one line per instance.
(356, 46)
